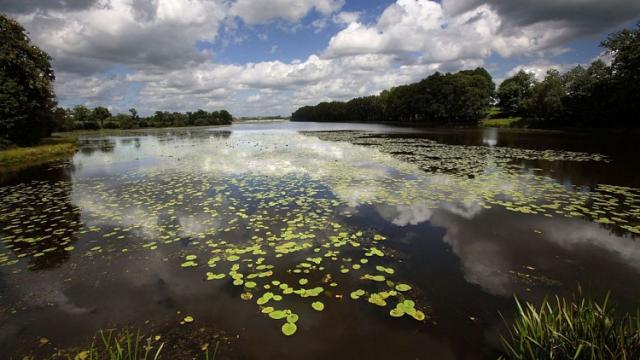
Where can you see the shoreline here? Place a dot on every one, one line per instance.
(440, 126)
(62, 145)
(54, 148)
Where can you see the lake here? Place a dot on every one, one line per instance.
(358, 241)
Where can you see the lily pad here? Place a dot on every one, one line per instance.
(289, 328)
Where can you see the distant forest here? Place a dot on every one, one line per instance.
(81, 117)
(601, 95)
(463, 97)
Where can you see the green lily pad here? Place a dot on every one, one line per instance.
(278, 314)
(289, 328)
(317, 306)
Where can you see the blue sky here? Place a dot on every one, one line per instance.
(268, 57)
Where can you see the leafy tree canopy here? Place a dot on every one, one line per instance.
(26, 86)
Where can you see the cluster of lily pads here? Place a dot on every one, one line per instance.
(245, 230)
(494, 176)
(283, 239)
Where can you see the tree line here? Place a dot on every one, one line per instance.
(599, 95)
(28, 108)
(82, 117)
(453, 98)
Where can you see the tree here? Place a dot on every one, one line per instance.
(124, 121)
(544, 101)
(225, 117)
(463, 97)
(624, 45)
(513, 92)
(83, 118)
(624, 92)
(100, 114)
(134, 114)
(63, 119)
(26, 86)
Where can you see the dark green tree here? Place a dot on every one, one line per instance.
(26, 86)
(544, 101)
(225, 117)
(513, 91)
(100, 114)
(134, 114)
(624, 46)
(83, 118)
(63, 119)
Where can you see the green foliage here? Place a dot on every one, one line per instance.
(513, 91)
(81, 117)
(122, 121)
(544, 100)
(500, 122)
(600, 95)
(63, 119)
(623, 95)
(100, 115)
(26, 86)
(120, 346)
(577, 329)
(134, 114)
(463, 97)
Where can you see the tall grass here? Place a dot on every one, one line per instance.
(124, 345)
(573, 329)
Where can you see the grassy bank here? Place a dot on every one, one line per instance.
(495, 118)
(50, 149)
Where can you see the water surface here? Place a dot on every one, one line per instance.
(146, 228)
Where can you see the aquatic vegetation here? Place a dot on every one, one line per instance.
(407, 307)
(289, 328)
(355, 295)
(120, 346)
(494, 176)
(137, 344)
(280, 232)
(576, 328)
(317, 305)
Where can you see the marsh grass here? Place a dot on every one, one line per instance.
(125, 345)
(51, 149)
(579, 328)
(130, 344)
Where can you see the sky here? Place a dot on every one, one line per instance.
(269, 57)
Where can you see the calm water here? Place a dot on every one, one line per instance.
(139, 231)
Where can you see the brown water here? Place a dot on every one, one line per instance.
(125, 233)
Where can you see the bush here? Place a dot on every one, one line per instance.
(111, 125)
(576, 329)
